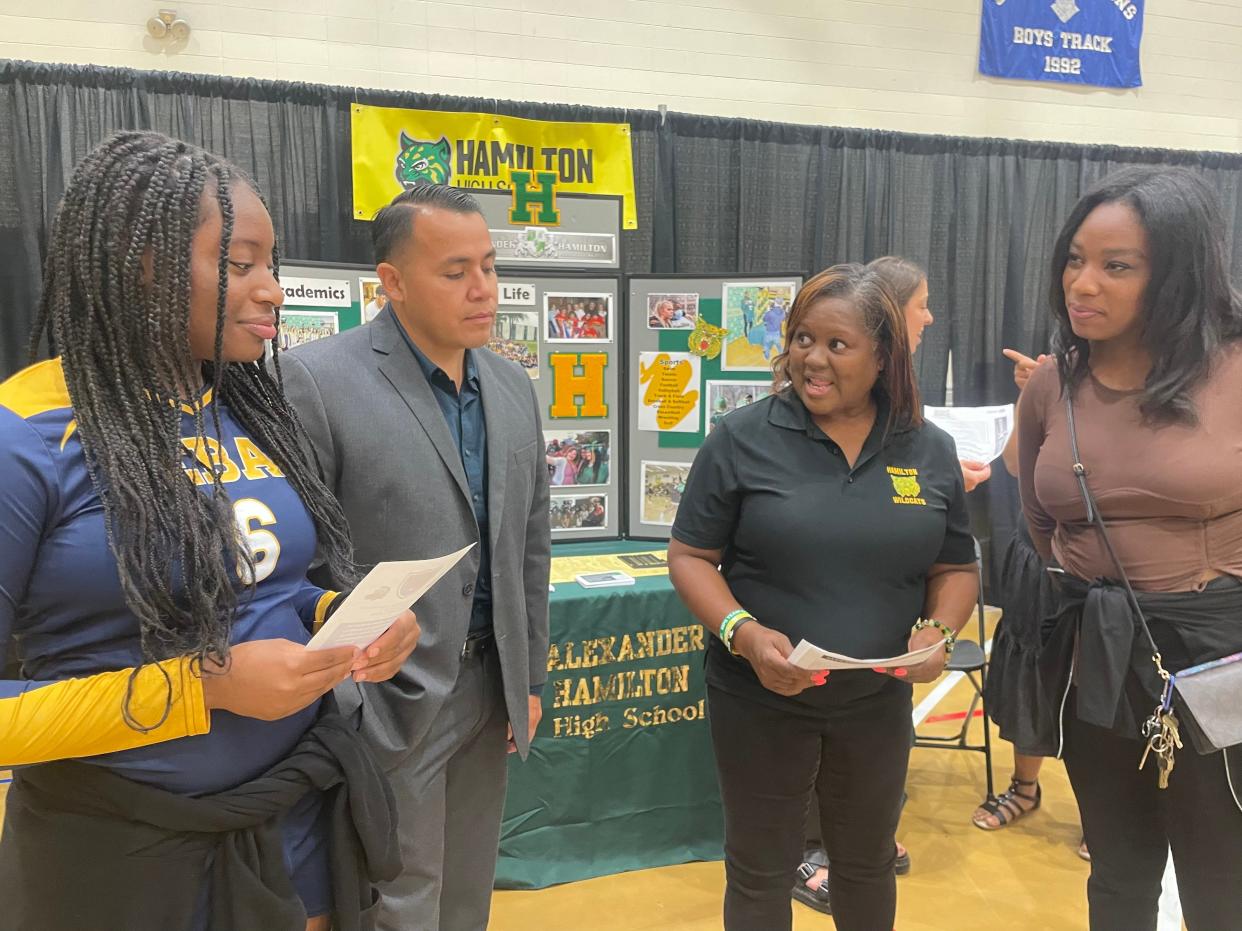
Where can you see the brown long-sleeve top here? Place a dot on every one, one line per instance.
(1171, 495)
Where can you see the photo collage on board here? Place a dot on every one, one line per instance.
(687, 388)
(580, 461)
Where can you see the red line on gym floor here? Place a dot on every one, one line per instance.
(955, 716)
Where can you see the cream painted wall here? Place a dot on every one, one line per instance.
(888, 64)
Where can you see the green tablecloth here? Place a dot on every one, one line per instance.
(640, 791)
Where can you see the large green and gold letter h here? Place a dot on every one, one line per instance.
(543, 197)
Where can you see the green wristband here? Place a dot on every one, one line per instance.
(727, 624)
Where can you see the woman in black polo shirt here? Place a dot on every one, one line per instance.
(834, 514)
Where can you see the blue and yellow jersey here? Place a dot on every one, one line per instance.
(62, 607)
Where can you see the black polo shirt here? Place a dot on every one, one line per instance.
(818, 550)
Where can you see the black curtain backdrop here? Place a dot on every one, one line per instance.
(714, 196)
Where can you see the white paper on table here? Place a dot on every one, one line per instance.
(374, 604)
(980, 432)
(808, 656)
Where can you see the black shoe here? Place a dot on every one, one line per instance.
(902, 866)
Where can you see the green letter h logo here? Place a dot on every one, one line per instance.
(543, 196)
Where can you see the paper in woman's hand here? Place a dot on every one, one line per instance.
(808, 656)
(979, 432)
(387, 590)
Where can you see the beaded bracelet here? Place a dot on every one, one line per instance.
(950, 638)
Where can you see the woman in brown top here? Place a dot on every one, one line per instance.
(1149, 348)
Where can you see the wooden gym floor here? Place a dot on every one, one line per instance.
(1024, 877)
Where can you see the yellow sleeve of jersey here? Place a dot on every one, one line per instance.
(321, 610)
(83, 717)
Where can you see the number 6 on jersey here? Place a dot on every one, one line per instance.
(263, 546)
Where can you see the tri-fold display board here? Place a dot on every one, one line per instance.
(698, 348)
(628, 379)
(559, 316)
(565, 329)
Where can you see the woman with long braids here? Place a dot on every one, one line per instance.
(177, 764)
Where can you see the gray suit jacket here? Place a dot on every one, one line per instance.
(387, 454)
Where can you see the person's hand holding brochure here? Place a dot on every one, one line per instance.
(808, 656)
(388, 590)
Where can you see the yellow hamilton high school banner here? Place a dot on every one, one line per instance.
(393, 148)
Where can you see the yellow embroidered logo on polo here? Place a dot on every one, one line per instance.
(906, 484)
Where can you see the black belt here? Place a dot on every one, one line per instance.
(477, 644)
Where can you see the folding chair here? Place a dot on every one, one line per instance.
(969, 659)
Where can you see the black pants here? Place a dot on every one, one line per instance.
(814, 833)
(1132, 824)
(769, 763)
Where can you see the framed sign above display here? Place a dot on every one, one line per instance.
(586, 235)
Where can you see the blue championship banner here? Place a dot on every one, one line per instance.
(1075, 41)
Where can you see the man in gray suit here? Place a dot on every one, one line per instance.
(432, 443)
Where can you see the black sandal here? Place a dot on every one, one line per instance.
(812, 898)
(1006, 808)
(902, 866)
(817, 857)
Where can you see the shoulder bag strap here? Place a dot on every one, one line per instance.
(1097, 518)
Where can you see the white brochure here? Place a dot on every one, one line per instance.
(980, 432)
(808, 656)
(387, 590)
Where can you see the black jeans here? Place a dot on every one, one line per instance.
(813, 832)
(1132, 824)
(769, 762)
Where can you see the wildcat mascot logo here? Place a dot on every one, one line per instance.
(906, 484)
(706, 340)
(424, 161)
